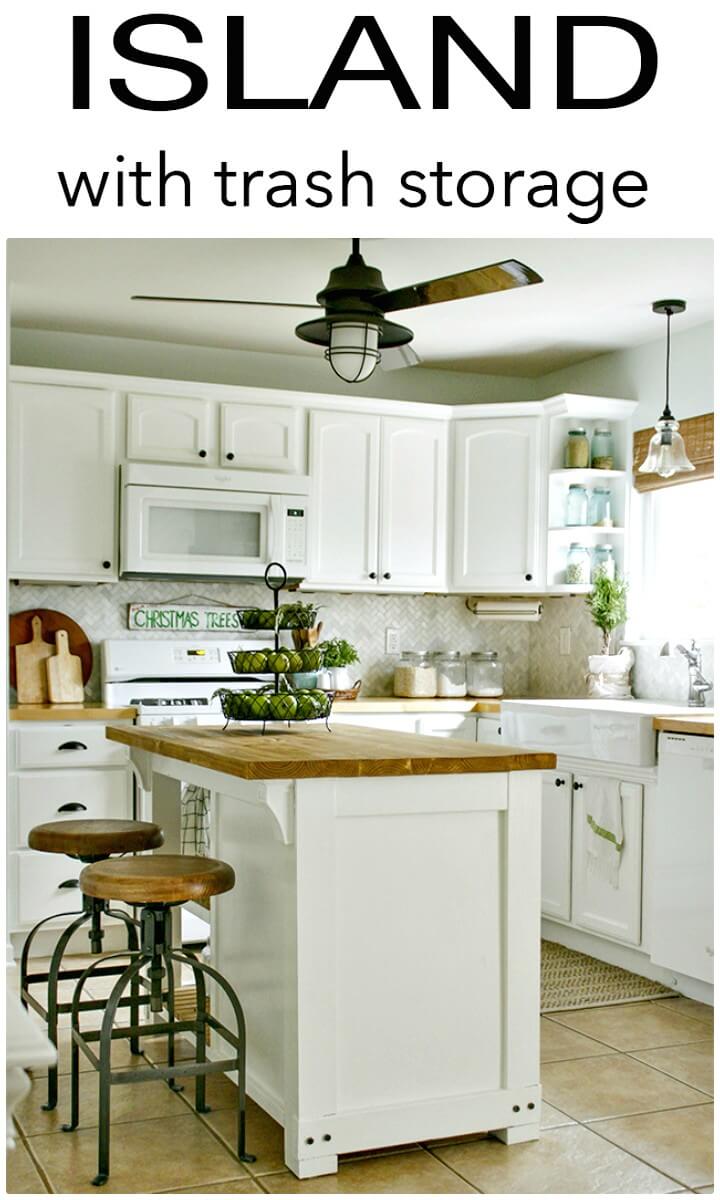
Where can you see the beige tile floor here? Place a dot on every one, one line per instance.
(627, 1109)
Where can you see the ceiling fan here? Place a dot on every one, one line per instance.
(355, 328)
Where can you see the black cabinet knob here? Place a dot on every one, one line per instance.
(69, 883)
(528, 578)
(72, 746)
(229, 456)
(576, 786)
(72, 808)
(202, 453)
(107, 564)
(373, 575)
(387, 575)
(560, 783)
(499, 728)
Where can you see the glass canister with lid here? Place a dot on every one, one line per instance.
(415, 675)
(484, 674)
(601, 507)
(602, 458)
(577, 449)
(577, 568)
(603, 563)
(576, 506)
(451, 673)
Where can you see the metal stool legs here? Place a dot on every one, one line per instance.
(158, 957)
(93, 912)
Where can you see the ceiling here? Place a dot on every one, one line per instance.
(596, 296)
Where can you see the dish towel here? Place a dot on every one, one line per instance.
(604, 830)
(195, 820)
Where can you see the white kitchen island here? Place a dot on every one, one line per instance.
(383, 934)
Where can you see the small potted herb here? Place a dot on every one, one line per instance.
(608, 676)
(337, 656)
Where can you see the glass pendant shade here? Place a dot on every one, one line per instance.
(353, 351)
(666, 452)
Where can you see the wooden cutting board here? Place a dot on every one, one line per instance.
(64, 672)
(30, 657)
(21, 631)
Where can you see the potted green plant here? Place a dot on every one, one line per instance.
(608, 676)
(337, 656)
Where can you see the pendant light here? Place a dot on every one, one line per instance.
(666, 453)
(354, 329)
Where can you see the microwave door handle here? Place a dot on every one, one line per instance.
(271, 525)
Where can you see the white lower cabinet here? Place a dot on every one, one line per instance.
(556, 873)
(596, 904)
(572, 891)
(48, 781)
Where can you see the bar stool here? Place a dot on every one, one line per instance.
(157, 882)
(88, 841)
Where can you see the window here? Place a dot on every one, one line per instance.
(672, 579)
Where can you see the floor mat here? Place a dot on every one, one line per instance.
(573, 980)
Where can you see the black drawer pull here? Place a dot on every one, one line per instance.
(72, 746)
(560, 782)
(576, 786)
(75, 807)
(70, 883)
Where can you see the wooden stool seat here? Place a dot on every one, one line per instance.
(95, 838)
(157, 879)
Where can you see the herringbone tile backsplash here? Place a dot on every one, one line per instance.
(432, 622)
(531, 654)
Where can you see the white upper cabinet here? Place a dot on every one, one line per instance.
(167, 428)
(262, 437)
(62, 483)
(379, 507)
(498, 516)
(413, 503)
(344, 467)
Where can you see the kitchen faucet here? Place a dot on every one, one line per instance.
(697, 684)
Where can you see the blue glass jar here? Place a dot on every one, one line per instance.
(576, 505)
(601, 454)
(600, 506)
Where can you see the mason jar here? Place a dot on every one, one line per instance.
(600, 506)
(603, 563)
(577, 568)
(484, 674)
(451, 674)
(602, 458)
(576, 506)
(577, 450)
(415, 675)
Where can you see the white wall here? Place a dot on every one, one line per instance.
(639, 374)
(165, 360)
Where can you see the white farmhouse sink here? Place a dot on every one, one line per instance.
(619, 731)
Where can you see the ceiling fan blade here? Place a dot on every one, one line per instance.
(210, 300)
(399, 356)
(496, 277)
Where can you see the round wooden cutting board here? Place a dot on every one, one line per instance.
(52, 621)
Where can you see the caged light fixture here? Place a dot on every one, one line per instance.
(666, 453)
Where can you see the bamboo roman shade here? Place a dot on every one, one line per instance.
(699, 438)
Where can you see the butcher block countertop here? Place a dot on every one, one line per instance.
(394, 704)
(312, 752)
(89, 711)
(703, 723)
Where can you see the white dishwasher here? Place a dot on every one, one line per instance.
(682, 905)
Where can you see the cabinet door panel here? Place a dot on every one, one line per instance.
(178, 429)
(556, 844)
(39, 796)
(450, 725)
(262, 437)
(413, 506)
(62, 483)
(596, 904)
(497, 504)
(345, 475)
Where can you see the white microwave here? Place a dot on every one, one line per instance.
(191, 522)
